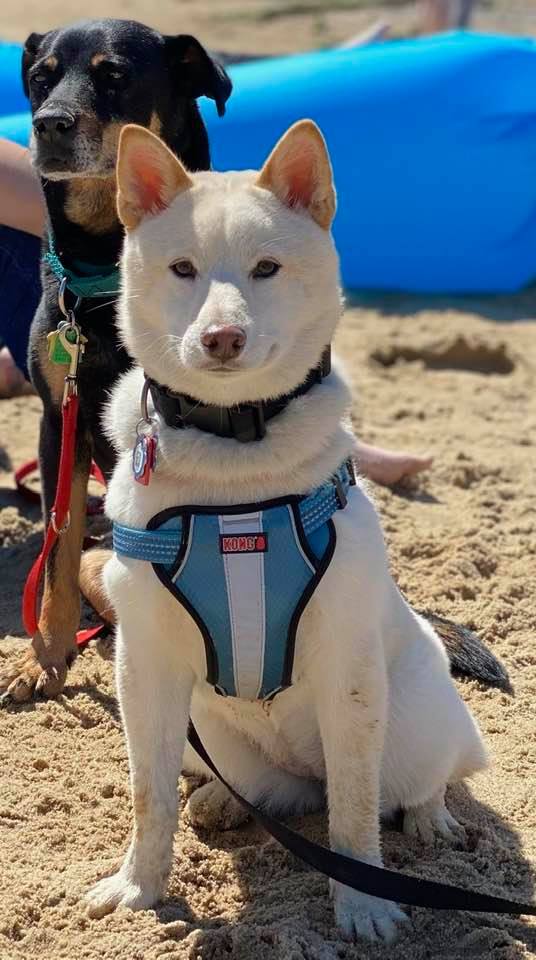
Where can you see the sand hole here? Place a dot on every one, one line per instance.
(457, 354)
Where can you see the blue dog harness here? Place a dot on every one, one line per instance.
(245, 575)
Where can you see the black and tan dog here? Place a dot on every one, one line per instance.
(84, 83)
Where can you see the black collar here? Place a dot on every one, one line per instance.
(244, 422)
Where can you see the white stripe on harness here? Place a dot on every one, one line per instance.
(244, 576)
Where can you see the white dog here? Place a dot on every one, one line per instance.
(230, 294)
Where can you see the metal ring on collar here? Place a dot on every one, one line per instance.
(61, 300)
(143, 400)
(146, 425)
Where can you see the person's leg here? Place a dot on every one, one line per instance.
(20, 293)
(13, 383)
(389, 467)
(439, 15)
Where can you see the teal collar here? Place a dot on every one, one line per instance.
(87, 282)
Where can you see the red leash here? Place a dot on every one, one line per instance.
(94, 505)
(59, 516)
(59, 522)
(66, 345)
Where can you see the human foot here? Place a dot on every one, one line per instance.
(389, 467)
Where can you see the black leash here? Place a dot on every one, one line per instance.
(376, 881)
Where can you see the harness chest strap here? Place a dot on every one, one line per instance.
(162, 545)
(244, 574)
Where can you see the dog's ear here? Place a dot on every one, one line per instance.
(29, 54)
(299, 172)
(197, 73)
(149, 176)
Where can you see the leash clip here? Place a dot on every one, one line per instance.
(70, 388)
(75, 349)
(66, 344)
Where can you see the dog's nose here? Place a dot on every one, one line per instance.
(224, 343)
(54, 123)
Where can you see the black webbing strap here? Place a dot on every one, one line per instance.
(361, 876)
(244, 422)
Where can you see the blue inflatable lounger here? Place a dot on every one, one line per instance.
(433, 143)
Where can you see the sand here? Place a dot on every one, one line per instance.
(461, 542)
(455, 378)
(262, 26)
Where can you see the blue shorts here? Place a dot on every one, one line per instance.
(20, 290)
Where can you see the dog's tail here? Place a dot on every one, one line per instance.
(467, 654)
(92, 584)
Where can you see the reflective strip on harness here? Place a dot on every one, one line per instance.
(160, 545)
(244, 581)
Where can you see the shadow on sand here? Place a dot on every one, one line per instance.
(288, 915)
(502, 308)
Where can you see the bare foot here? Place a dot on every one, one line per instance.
(387, 466)
(12, 381)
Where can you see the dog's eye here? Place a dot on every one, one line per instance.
(115, 78)
(184, 268)
(265, 268)
(39, 79)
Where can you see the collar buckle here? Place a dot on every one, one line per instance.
(340, 494)
(247, 422)
(350, 466)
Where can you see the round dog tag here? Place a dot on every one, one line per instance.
(139, 458)
(144, 458)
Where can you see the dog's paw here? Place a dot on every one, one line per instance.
(27, 678)
(432, 820)
(212, 807)
(120, 890)
(359, 915)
